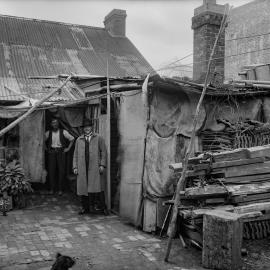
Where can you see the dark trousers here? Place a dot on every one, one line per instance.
(56, 169)
(93, 200)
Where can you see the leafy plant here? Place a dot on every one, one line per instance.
(13, 180)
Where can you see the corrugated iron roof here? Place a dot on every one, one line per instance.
(30, 47)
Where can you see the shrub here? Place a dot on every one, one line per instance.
(13, 180)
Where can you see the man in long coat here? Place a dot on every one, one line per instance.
(89, 163)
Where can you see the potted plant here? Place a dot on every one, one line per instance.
(14, 183)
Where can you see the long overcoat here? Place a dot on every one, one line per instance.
(97, 157)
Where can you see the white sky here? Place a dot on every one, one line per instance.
(161, 30)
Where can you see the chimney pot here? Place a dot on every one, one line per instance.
(205, 2)
(115, 22)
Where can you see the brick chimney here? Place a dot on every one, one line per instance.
(206, 23)
(115, 22)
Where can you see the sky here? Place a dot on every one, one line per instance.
(161, 30)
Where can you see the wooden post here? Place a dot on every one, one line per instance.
(21, 118)
(182, 180)
(108, 139)
(222, 240)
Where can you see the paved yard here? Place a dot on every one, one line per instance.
(30, 238)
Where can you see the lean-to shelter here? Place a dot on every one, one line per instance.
(159, 122)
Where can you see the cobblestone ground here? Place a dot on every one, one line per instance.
(30, 238)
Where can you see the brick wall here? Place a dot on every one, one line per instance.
(206, 23)
(252, 19)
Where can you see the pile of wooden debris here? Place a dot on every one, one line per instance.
(242, 134)
(235, 181)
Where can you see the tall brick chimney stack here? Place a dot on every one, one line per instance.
(206, 23)
(115, 22)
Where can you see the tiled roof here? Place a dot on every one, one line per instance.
(30, 47)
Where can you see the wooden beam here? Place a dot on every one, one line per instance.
(119, 87)
(32, 109)
(265, 206)
(248, 169)
(108, 139)
(251, 82)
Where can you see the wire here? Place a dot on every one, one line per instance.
(182, 70)
(251, 36)
(167, 66)
(216, 58)
(179, 59)
(228, 56)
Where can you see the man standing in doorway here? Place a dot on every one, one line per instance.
(89, 162)
(58, 143)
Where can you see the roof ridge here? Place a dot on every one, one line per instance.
(48, 21)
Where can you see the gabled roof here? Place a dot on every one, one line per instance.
(30, 47)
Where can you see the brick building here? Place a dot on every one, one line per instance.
(247, 39)
(245, 43)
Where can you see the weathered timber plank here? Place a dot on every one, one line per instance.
(221, 191)
(239, 162)
(192, 161)
(250, 215)
(248, 178)
(265, 206)
(259, 151)
(241, 153)
(248, 203)
(249, 169)
(198, 213)
(258, 218)
(222, 240)
(215, 200)
(251, 198)
(232, 155)
(207, 191)
(149, 220)
(230, 163)
(176, 166)
(248, 188)
(245, 209)
(200, 167)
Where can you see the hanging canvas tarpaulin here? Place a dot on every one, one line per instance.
(159, 153)
(32, 146)
(172, 113)
(132, 128)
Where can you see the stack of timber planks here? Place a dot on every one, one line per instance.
(227, 181)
